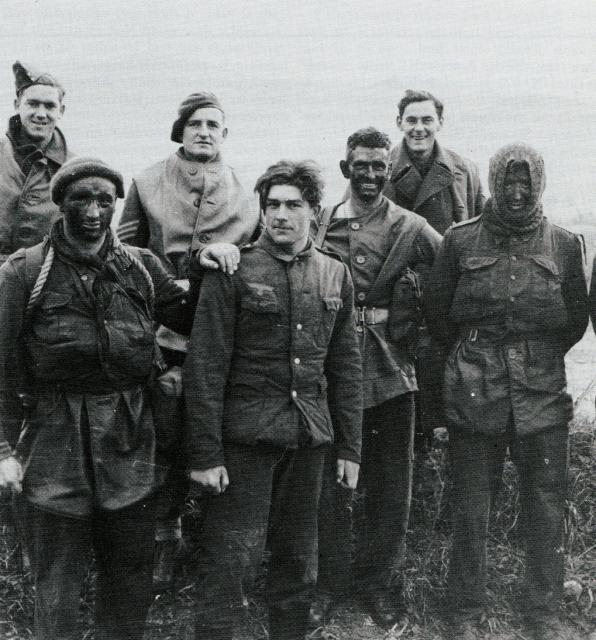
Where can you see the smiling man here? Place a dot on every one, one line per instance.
(189, 203)
(77, 334)
(507, 297)
(385, 248)
(272, 378)
(30, 154)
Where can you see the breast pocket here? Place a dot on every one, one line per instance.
(52, 324)
(260, 318)
(329, 309)
(479, 277)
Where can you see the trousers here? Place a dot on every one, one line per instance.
(272, 490)
(59, 549)
(385, 483)
(541, 462)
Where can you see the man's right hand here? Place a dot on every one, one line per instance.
(215, 480)
(220, 255)
(11, 474)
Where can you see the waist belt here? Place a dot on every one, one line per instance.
(501, 334)
(371, 315)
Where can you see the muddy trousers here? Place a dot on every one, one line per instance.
(269, 487)
(477, 462)
(60, 552)
(386, 486)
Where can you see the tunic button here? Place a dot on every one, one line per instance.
(299, 327)
(361, 296)
(192, 171)
(360, 259)
(294, 394)
(204, 237)
(512, 299)
(514, 257)
(513, 277)
(84, 278)
(197, 203)
(359, 328)
(512, 353)
(355, 226)
(296, 360)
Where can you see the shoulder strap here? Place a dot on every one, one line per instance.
(326, 214)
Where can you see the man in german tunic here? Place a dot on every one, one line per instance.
(272, 378)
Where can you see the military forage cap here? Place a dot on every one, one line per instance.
(84, 168)
(188, 106)
(26, 76)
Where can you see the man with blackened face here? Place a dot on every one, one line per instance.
(507, 299)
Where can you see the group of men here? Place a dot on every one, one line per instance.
(270, 356)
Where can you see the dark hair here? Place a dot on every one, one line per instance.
(418, 96)
(47, 81)
(368, 137)
(305, 175)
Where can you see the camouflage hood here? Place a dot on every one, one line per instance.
(499, 164)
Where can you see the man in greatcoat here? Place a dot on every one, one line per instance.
(77, 336)
(507, 297)
(191, 202)
(444, 188)
(386, 249)
(273, 376)
(31, 153)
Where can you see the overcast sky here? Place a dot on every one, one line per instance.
(298, 77)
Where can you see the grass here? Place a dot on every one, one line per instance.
(424, 573)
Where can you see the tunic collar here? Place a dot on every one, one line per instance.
(264, 241)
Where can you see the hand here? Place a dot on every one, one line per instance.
(11, 474)
(216, 479)
(220, 255)
(347, 473)
(170, 382)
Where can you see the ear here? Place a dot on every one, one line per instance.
(315, 211)
(345, 169)
(62, 109)
(398, 120)
(224, 133)
(17, 102)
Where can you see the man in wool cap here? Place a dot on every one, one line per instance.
(77, 334)
(191, 202)
(30, 154)
(507, 298)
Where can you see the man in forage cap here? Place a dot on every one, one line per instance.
(191, 203)
(30, 154)
(77, 334)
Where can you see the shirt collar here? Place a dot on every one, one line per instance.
(264, 241)
(26, 150)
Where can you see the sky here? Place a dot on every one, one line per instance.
(296, 78)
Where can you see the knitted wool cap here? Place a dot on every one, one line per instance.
(26, 76)
(83, 168)
(188, 106)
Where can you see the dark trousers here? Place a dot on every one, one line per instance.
(386, 486)
(59, 550)
(267, 484)
(477, 461)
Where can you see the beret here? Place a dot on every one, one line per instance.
(83, 168)
(26, 76)
(188, 106)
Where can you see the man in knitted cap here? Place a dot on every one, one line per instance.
(189, 202)
(507, 297)
(30, 154)
(76, 332)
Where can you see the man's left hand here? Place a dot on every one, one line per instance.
(220, 255)
(347, 473)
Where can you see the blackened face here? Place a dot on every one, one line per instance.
(368, 171)
(517, 188)
(88, 206)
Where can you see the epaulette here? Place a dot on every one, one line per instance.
(328, 252)
(463, 223)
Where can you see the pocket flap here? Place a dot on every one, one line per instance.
(260, 303)
(53, 300)
(472, 263)
(333, 304)
(546, 263)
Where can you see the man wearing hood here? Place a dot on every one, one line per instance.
(191, 202)
(30, 154)
(507, 296)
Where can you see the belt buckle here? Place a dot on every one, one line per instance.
(361, 316)
(374, 316)
(473, 335)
